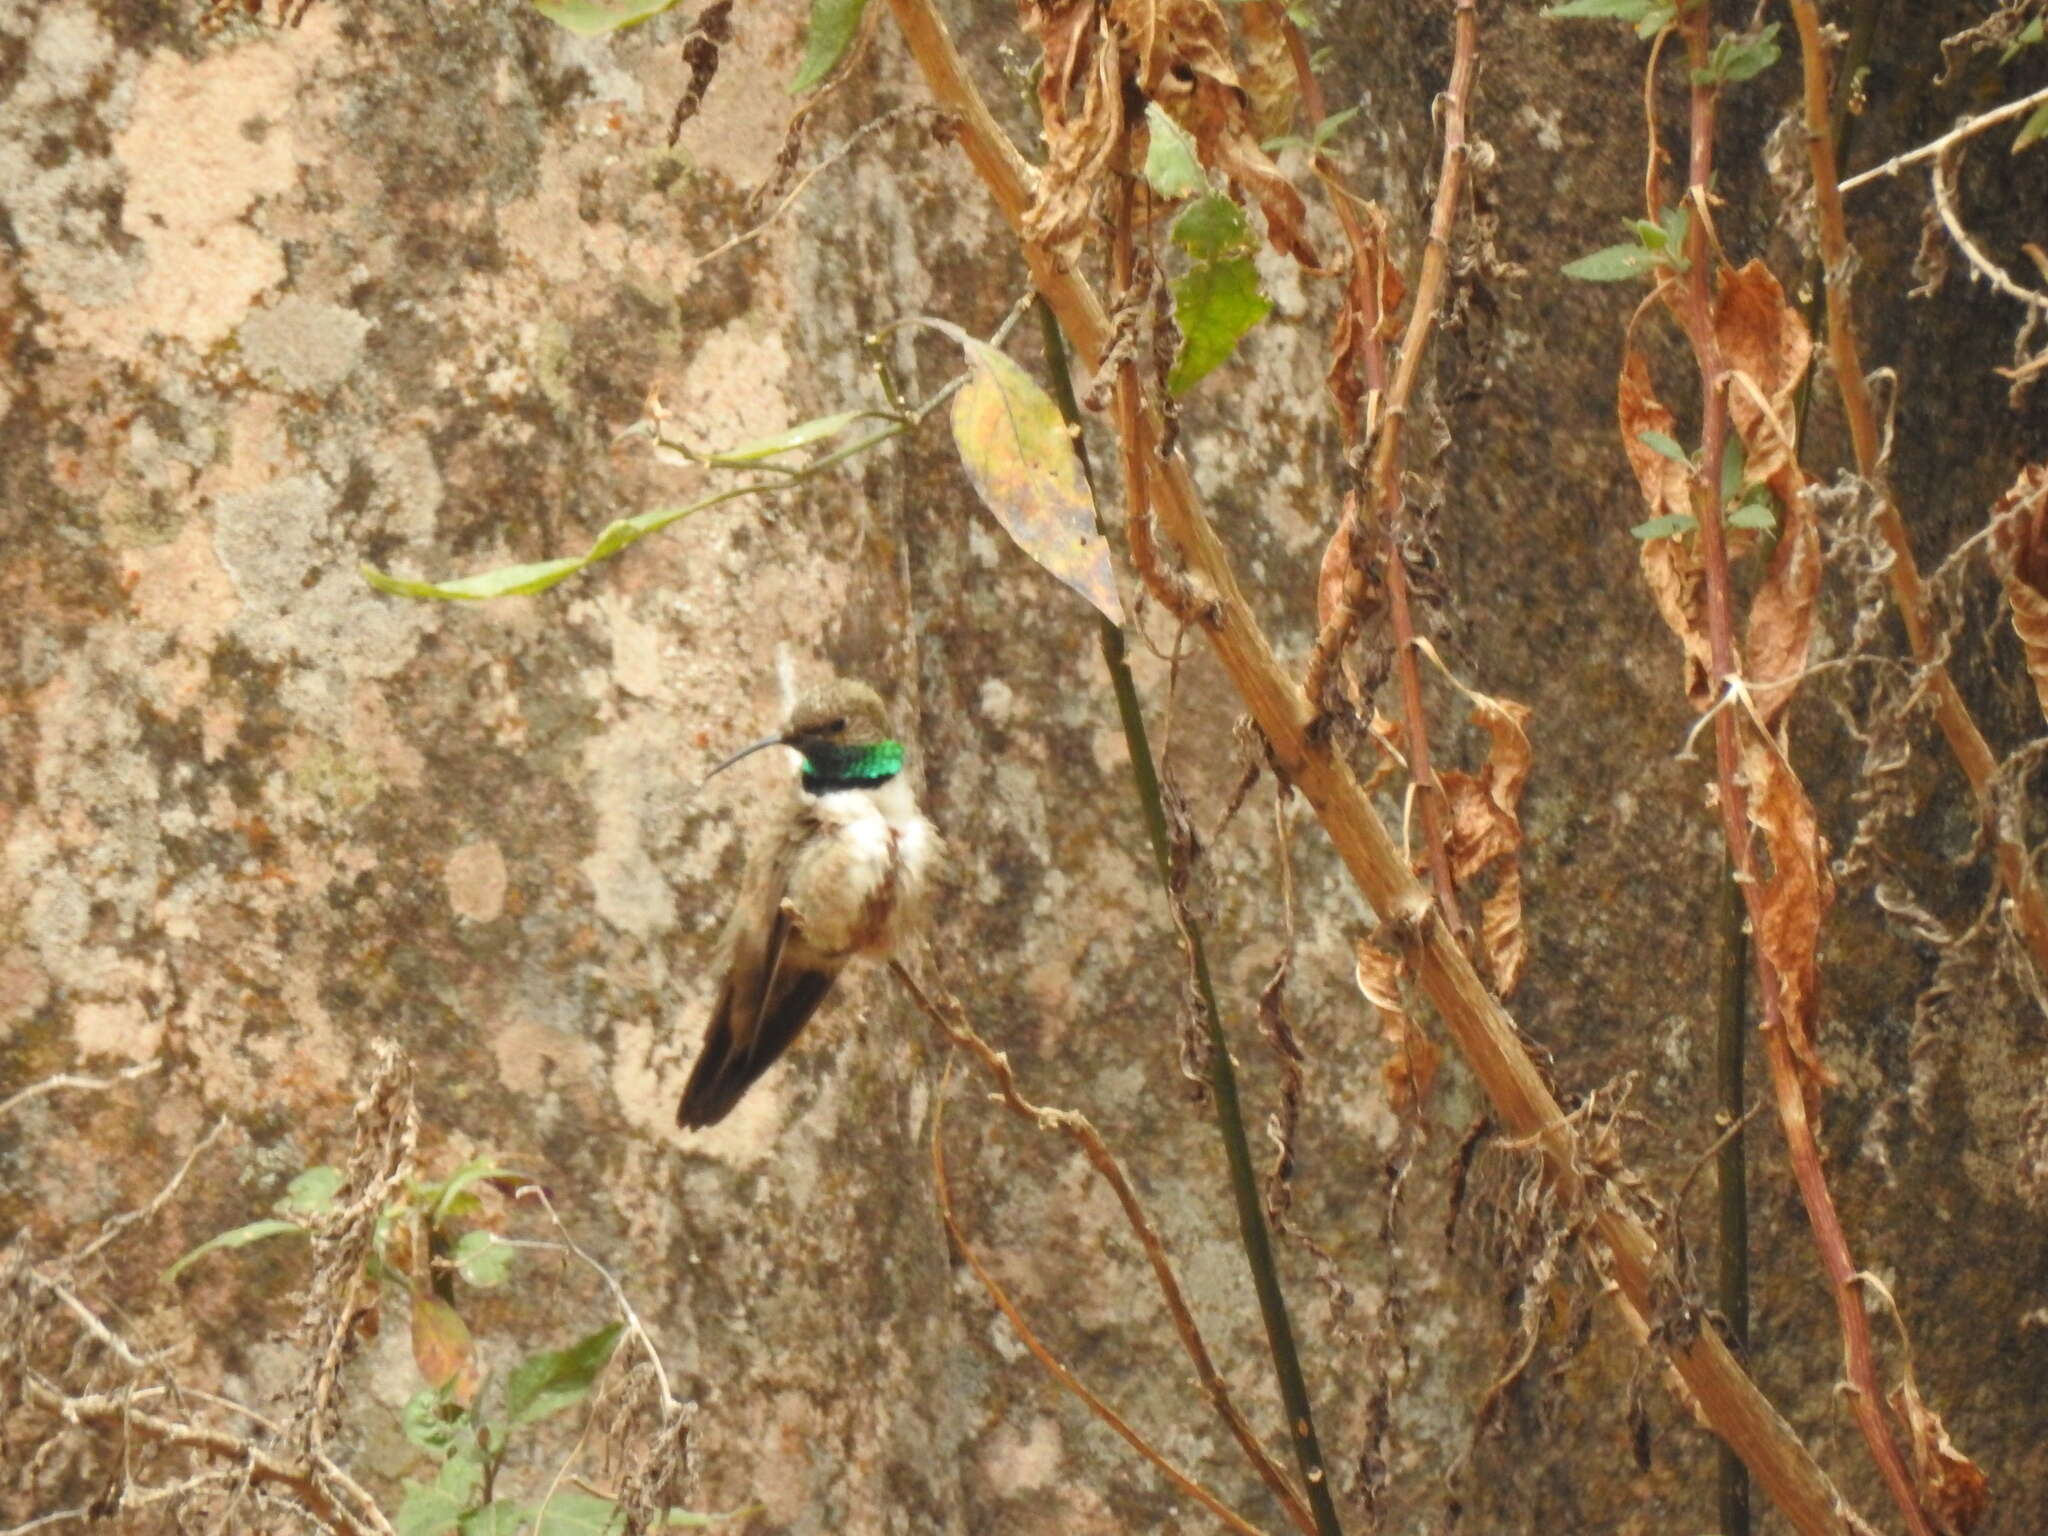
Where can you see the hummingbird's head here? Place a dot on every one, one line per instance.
(836, 716)
(841, 731)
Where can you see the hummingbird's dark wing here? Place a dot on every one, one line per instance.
(773, 984)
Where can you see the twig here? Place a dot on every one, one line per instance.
(634, 1326)
(114, 1226)
(1386, 475)
(951, 1022)
(1944, 180)
(1972, 753)
(1802, 1146)
(1731, 1256)
(1935, 148)
(314, 1482)
(75, 1080)
(1253, 1234)
(846, 147)
(1484, 1032)
(55, 1517)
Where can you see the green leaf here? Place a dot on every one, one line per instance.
(1214, 305)
(238, 1237)
(594, 18)
(1617, 10)
(572, 1512)
(477, 1170)
(1667, 446)
(1615, 264)
(461, 1477)
(2035, 130)
(501, 1517)
(1330, 126)
(1651, 236)
(546, 1383)
(1019, 454)
(1734, 459)
(794, 437)
(1211, 227)
(429, 1423)
(1753, 514)
(524, 580)
(2028, 35)
(1170, 162)
(834, 25)
(426, 1511)
(1676, 225)
(1737, 58)
(1655, 20)
(1668, 526)
(481, 1259)
(312, 1192)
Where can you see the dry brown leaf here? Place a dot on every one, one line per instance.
(1795, 896)
(1486, 832)
(1409, 1071)
(1179, 52)
(1765, 342)
(1269, 78)
(1362, 311)
(1080, 100)
(1781, 616)
(2019, 542)
(1670, 566)
(1766, 347)
(1953, 1488)
(1502, 939)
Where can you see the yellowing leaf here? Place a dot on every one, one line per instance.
(1017, 451)
(442, 1348)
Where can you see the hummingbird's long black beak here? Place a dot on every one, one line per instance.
(772, 741)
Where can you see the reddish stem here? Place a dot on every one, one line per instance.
(1803, 1149)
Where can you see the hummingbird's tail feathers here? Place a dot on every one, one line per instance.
(726, 1070)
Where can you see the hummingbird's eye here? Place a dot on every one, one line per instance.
(834, 727)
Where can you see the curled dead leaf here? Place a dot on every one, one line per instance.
(1271, 85)
(1671, 566)
(2019, 543)
(1080, 102)
(1953, 1489)
(1766, 346)
(1409, 1071)
(1503, 941)
(1795, 896)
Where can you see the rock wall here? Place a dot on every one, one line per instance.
(384, 285)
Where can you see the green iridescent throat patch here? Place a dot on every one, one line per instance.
(852, 767)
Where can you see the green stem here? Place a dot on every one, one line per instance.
(1732, 1248)
(1244, 1180)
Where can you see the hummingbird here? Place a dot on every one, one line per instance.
(843, 872)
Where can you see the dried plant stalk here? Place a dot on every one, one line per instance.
(1730, 1400)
